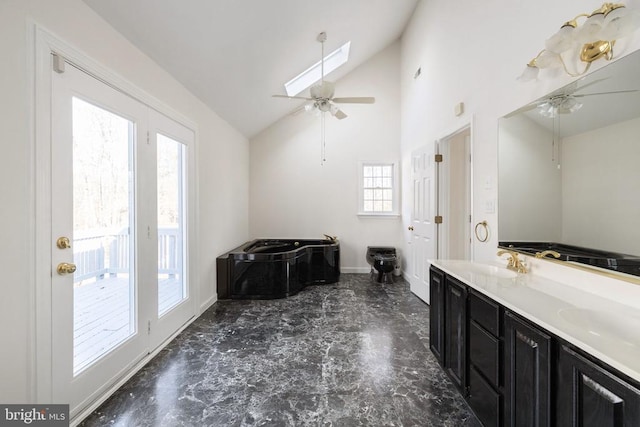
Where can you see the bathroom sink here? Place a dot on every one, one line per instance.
(604, 324)
(491, 270)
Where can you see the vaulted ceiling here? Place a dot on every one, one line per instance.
(234, 54)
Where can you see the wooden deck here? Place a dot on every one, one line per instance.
(102, 318)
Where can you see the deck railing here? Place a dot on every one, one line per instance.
(102, 252)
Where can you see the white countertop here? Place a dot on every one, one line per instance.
(592, 320)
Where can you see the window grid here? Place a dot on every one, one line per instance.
(377, 188)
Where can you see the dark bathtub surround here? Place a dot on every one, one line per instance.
(276, 268)
(355, 353)
(624, 263)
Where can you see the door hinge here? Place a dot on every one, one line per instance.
(438, 158)
(149, 327)
(148, 138)
(438, 219)
(58, 63)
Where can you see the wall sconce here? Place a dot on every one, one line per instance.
(575, 43)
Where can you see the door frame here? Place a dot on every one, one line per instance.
(444, 193)
(41, 45)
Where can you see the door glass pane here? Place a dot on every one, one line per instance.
(171, 237)
(104, 289)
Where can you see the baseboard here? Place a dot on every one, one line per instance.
(208, 303)
(359, 270)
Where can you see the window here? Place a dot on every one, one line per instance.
(312, 74)
(378, 186)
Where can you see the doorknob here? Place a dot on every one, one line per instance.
(66, 268)
(410, 228)
(63, 243)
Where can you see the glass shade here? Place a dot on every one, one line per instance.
(569, 105)
(619, 23)
(561, 41)
(547, 109)
(548, 59)
(560, 105)
(530, 73)
(589, 31)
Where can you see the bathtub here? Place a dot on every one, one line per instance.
(276, 268)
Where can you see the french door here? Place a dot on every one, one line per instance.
(119, 210)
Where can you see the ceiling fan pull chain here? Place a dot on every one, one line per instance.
(322, 37)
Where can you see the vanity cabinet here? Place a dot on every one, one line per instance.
(436, 314)
(455, 359)
(485, 355)
(527, 370)
(589, 395)
(514, 373)
(448, 325)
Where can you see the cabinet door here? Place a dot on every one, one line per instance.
(456, 332)
(589, 395)
(436, 314)
(527, 368)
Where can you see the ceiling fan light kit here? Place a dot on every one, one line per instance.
(576, 43)
(322, 101)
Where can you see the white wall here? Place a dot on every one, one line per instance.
(222, 167)
(472, 52)
(600, 176)
(530, 182)
(293, 196)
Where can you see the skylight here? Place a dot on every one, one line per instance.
(312, 74)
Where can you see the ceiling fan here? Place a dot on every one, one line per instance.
(563, 101)
(321, 98)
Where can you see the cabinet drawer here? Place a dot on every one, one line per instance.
(484, 352)
(484, 401)
(485, 312)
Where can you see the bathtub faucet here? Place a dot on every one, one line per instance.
(332, 238)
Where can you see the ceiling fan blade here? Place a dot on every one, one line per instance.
(355, 100)
(292, 97)
(587, 85)
(339, 114)
(606, 93)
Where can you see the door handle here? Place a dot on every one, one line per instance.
(66, 268)
(410, 228)
(63, 243)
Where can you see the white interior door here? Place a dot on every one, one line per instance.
(120, 223)
(423, 244)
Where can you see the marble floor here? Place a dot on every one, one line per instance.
(355, 353)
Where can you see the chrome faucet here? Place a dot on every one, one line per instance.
(332, 238)
(545, 253)
(514, 263)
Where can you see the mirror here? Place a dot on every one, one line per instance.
(569, 171)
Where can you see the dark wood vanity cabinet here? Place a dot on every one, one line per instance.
(513, 373)
(436, 314)
(485, 357)
(448, 325)
(528, 373)
(589, 395)
(455, 359)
